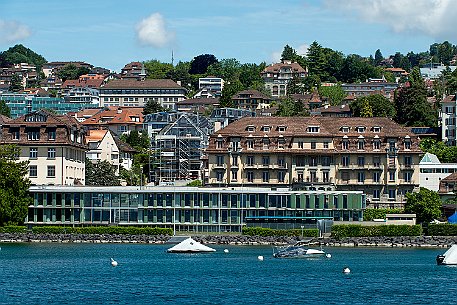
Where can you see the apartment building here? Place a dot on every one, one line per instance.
(448, 119)
(278, 75)
(119, 120)
(211, 83)
(137, 92)
(373, 155)
(54, 145)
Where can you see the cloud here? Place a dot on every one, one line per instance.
(434, 18)
(12, 31)
(152, 31)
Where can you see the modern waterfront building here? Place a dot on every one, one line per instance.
(277, 76)
(137, 92)
(432, 171)
(374, 155)
(54, 145)
(188, 208)
(21, 104)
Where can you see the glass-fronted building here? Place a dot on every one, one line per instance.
(185, 208)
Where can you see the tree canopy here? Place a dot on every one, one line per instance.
(380, 106)
(445, 153)
(426, 204)
(16, 83)
(71, 71)
(289, 107)
(156, 69)
(200, 63)
(101, 173)
(4, 109)
(139, 141)
(152, 106)
(335, 94)
(14, 187)
(20, 54)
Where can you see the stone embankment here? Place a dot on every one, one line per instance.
(389, 242)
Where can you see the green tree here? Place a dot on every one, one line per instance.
(195, 183)
(411, 103)
(228, 69)
(101, 173)
(316, 60)
(72, 71)
(139, 141)
(426, 204)
(366, 111)
(295, 86)
(200, 63)
(4, 109)
(152, 106)
(16, 83)
(335, 94)
(14, 186)
(19, 54)
(288, 107)
(378, 58)
(288, 53)
(156, 69)
(134, 176)
(446, 154)
(379, 106)
(250, 75)
(228, 92)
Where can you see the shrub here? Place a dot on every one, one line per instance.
(13, 229)
(442, 229)
(258, 231)
(103, 230)
(370, 214)
(340, 231)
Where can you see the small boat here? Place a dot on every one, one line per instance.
(297, 250)
(449, 257)
(190, 246)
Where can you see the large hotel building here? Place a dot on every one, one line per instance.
(373, 155)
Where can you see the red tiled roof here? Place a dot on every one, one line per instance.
(296, 68)
(116, 115)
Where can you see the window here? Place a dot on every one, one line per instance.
(361, 145)
(391, 194)
(376, 194)
(51, 171)
(376, 161)
(345, 144)
(376, 177)
(361, 161)
(313, 145)
(281, 128)
(281, 176)
(325, 176)
(234, 175)
(33, 153)
(408, 161)
(326, 145)
(360, 177)
(345, 129)
(281, 162)
(33, 135)
(16, 134)
(325, 160)
(391, 175)
(235, 160)
(250, 160)
(345, 176)
(345, 160)
(51, 134)
(33, 171)
(313, 129)
(265, 160)
(219, 176)
(281, 143)
(407, 176)
(266, 143)
(407, 144)
(250, 128)
(220, 160)
(376, 144)
(51, 153)
(265, 128)
(250, 144)
(360, 129)
(250, 176)
(300, 145)
(376, 129)
(219, 144)
(265, 176)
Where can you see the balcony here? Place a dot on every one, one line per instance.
(219, 166)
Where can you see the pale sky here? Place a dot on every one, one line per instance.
(111, 33)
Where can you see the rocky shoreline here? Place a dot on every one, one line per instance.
(387, 242)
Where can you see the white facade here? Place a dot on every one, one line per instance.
(448, 120)
(431, 171)
(83, 95)
(215, 84)
(102, 147)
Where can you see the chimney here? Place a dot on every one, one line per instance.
(119, 110)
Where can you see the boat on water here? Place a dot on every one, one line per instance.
(297, 250)
(449, 257)
(189, 245)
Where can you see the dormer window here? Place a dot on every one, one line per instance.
(345, 129)
(281, 143)
(266, 128)
(36, 117)
(360, 129)
(266, 143)
(408, 143)
(250, 128)
(219, 143)
(313, 129)
(281, 128)
(361, 144)
(376, 129)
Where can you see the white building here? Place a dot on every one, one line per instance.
(432, 171)
(136, 93)
(212, 83)
(434, 71)
(448, 119)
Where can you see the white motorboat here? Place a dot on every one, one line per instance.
(449, 257)
(297, 250)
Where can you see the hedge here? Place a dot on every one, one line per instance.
(103, 230)
(258, 231)
(13, 229)
(442, 229)
(340, 231)
(370, 214)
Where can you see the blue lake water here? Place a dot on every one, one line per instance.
(82, 274)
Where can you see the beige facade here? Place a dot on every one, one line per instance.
(53, 145)
(102, 147)
(373, 155)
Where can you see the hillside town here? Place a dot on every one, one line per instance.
(330, 135)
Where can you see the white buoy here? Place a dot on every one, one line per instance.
(260, 258)
(226, 251)
(346, 270)
(328, 255)
(113, 263)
